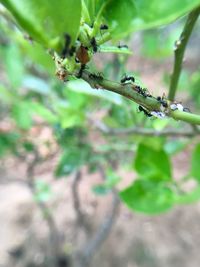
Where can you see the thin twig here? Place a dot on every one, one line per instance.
(47, 215)
(80, 216)
(145, 132)
(101, 235)
(179, 51)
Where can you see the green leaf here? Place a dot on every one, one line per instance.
(46, 21)
(43, 112)
(37, 55)
(72, 159)
(69, 117)
(21, 113)
(14, 65)
(36, 85)
(195, 169)
(175, 146)
(5, 95)
(94, 7)
(70, 136)
(148, 197)
(150, 162)
(8, 141)
(126, 16)
(28, 146)
(111, 178)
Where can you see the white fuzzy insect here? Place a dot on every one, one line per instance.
(176, 106)
(158, 114)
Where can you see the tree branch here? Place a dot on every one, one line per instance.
(85, 256)
(47, 215)
(141, 131)
(80, 216)
(179, 51)
(130, 91)
(101, 235)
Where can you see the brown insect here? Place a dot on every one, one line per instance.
(82, 55)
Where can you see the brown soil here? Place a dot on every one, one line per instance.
(171, 239)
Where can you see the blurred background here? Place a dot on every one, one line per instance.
(61, 164)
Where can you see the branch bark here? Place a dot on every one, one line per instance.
(89, 250)
(46, 213)
(80, 216)
(180, 46)
(145, 132)
(84, 257)
(130, 91)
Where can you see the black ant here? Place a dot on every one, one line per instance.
(66, 45)
(142, 91)
(80, 73)
(145, 93)
(145, 111)
(162, 101)
(72, 51)
(104, 27)
(122, 46)
(127, 78)
(67, 50)
(97, 76)
(138, 89)
(94, 44)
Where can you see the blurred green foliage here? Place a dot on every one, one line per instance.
(30, 95)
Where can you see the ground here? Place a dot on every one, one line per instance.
(136, 240)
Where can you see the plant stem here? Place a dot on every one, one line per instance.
(185, 116)
(179, 50)
(129, 91)
(85, 13)
(101, 234)
(81, 220)
(141, 131)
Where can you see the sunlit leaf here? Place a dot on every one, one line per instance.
(46, 21)
(126, 16)
(152, 163)
(148, 197)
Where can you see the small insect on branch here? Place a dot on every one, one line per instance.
(127, 78)
(93, 43)
(122, 46)
(141, 109)
(67, 50)
(104, 27)
(80, 73)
